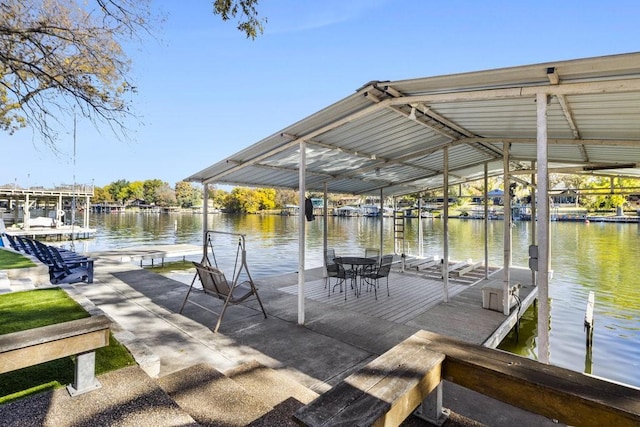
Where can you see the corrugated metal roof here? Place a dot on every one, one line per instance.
(391, 135)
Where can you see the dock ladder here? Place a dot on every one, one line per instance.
(398, 234)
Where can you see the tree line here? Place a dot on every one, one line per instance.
(155, 192)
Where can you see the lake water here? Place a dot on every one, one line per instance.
(599, 257)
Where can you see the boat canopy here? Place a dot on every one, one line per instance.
(392, 135)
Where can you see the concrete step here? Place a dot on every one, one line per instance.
(250, 394)
(270, 385)
(211, 398)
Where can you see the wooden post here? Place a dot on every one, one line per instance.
(588, 319)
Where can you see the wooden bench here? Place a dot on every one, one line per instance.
(408, 377)
(78, 337)
(384, 392)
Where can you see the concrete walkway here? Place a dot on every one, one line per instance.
(330, 346)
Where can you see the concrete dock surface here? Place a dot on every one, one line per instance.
(331, 345)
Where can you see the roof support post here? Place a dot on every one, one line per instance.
(59, 217)
(26, 212)
(486, 221)
(506, 264)
(205, 220)
(543, 228)
(301, 230)
(445, 228)
(534, 215)
(381, 223)
(420, 233)
(325, 230)
(87, 210)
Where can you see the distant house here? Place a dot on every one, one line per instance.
(496, 196)
(564, 196)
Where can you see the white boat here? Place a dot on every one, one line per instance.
(290, 210)
(348, 211)
(370, 210)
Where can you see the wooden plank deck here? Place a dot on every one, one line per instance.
(411, 293)
(416, 299)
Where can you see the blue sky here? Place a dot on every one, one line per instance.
(205, 91)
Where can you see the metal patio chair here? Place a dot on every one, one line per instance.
(373, 278)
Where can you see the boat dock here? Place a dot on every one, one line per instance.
(58, 233)
(47, 213)
(148, 253)
(416, 300)
(335, 342)
(338, 338)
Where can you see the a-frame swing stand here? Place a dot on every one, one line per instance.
(215, 283)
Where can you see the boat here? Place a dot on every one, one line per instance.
(348, 211)
(290, 210)
(370, 210)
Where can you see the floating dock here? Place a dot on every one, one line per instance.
(148, 253)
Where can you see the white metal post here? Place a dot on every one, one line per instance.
(445, 228)
(205, 220)
(420, 231)
(543, 229)
(534, 215)
(301, 232)
(506, 296)
(381, 223)
(486, 221)
(325, 231)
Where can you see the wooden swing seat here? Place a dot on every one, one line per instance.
(215, 283)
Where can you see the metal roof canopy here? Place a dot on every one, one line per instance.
(393, 138)
(390, 135)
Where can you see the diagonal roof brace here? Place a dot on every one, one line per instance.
(554, 78)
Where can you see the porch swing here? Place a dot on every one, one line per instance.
(215, 283)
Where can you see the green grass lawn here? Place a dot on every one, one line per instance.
(9, 259)
(31, 309)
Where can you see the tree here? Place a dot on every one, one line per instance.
(242, 200)
(101, 195)
(187, 195)
(165, 196)
(286, 197)
(266, 198)
(217, 197)
(119, 190)
(150, 190)
(136, 190)
(243, 9)
(60, 57)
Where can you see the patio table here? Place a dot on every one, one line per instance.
(357, 266)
